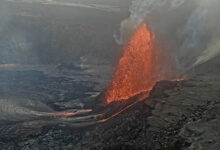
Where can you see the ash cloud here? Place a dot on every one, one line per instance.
(190, 27)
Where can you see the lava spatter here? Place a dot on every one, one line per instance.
(134, 72)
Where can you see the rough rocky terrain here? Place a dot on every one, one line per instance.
(177, 116)
(184, 115)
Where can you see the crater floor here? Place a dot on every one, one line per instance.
(177, 115)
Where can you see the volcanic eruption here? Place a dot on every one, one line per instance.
(134, 73)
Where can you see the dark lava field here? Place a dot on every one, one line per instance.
(177, 115)
(58, 57)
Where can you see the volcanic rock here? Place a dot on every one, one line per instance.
(183, 115)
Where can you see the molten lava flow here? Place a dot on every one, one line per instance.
(134, 72)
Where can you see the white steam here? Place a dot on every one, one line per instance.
(139, 10)
(212, 51)
(191, 26)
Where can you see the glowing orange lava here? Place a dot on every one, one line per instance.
(134, 72)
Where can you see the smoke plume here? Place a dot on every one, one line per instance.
(189, 28)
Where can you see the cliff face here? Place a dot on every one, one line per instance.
(37, 33)
(177, 115)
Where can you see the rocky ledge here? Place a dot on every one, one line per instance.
(178, 115)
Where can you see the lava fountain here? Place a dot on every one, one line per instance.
(134, 73)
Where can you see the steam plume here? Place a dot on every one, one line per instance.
(139, 10)
(192, 27)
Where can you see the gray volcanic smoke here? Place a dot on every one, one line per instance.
(190, 27)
